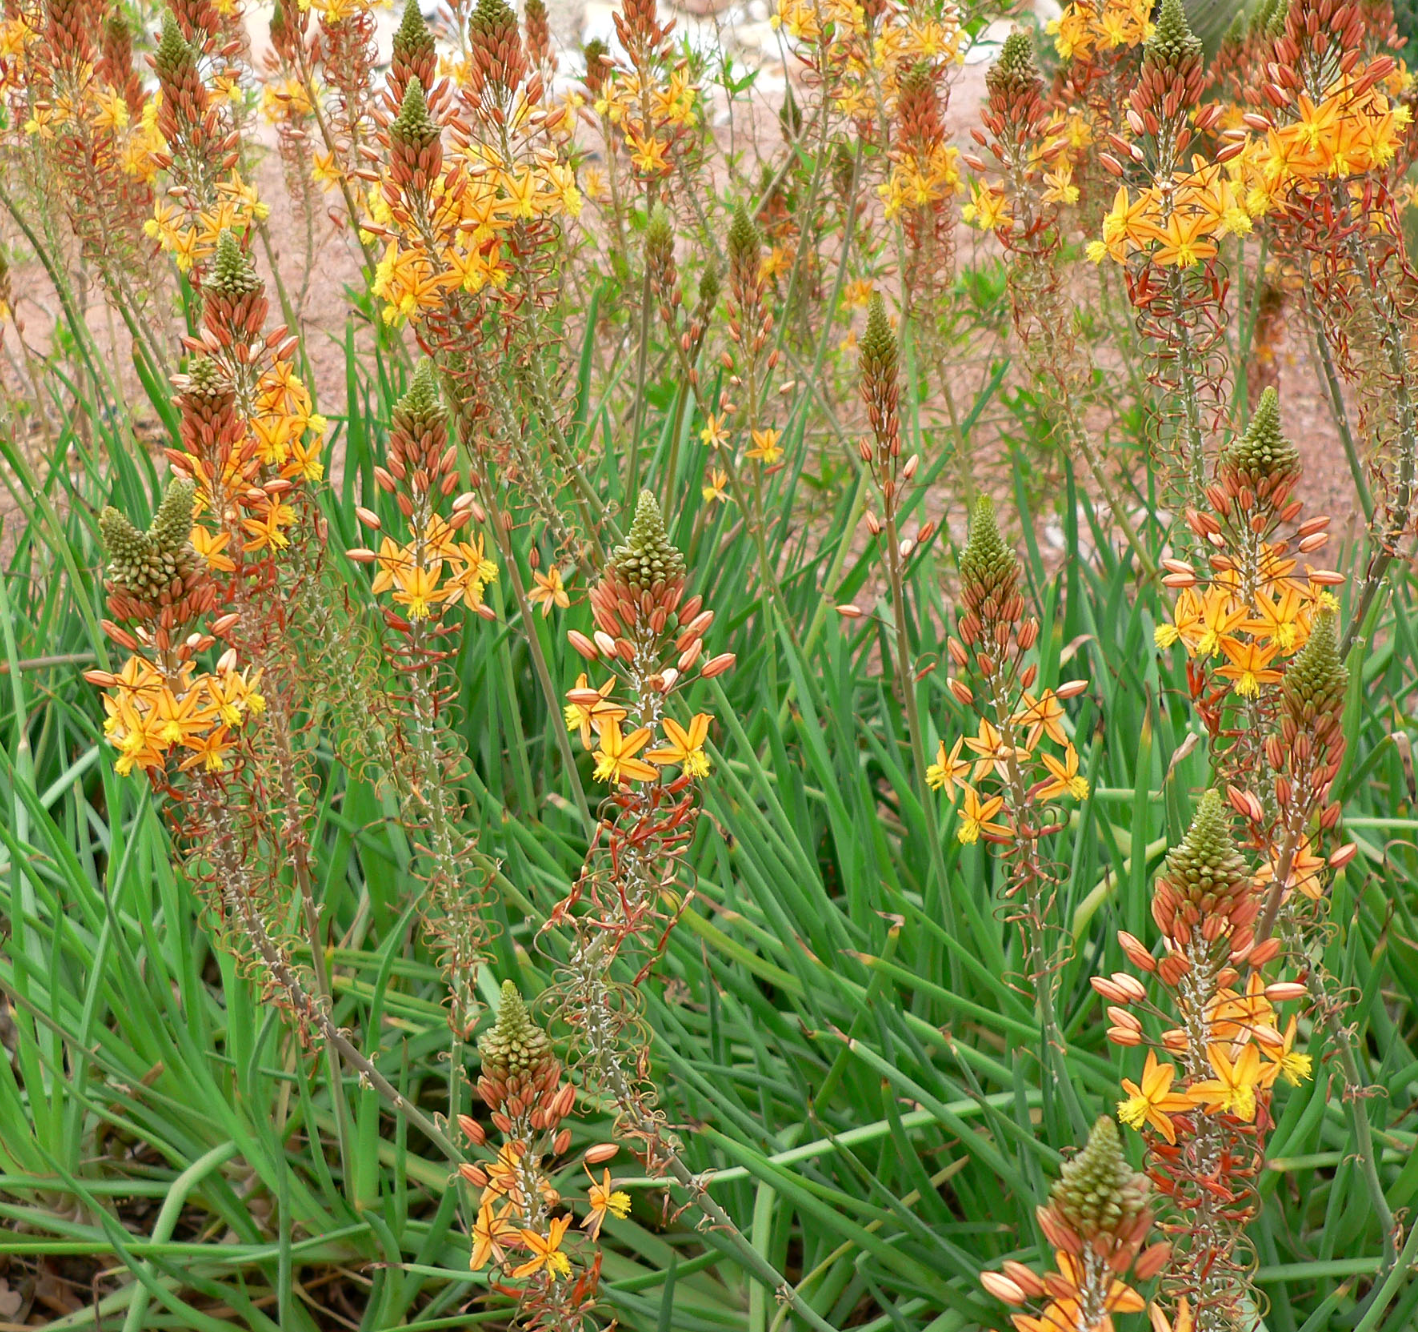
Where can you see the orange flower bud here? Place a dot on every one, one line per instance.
(1152, 1260)
(718, 665)
(600, 1153)
(1264, 952)
(1023, 1277)
(1002, 1288)
(1124, 1036)
(1282, 992)
(368, 517)
(1106, 987)
(1172, 968)
(472, 1130)
(1343, 855)
(1057, 1232)
(1137, 954)
(849, 611)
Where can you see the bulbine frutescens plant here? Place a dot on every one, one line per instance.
(591, 296)
(1021, 762)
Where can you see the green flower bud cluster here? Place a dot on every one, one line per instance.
(648, 556)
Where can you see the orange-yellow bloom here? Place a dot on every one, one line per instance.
(549, 591)
(1153, 1102)
(546, 1251)
(976, 817)
(604, 1197)
(615, 759)
(489, 1232)
(686, 747)
(948, 769)
(1233, 1090)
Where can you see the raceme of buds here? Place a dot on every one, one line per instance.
(1096, 1221)
(518, 1065)
(413, 54)
(1205, 885)
(1261, 460)
(881, 389)
(156, 576)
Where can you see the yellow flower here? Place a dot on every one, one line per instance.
(1294, 1068)
(1233, 1090)
(976, 816)
(1219, 616)
(210, 546)
(615, 759)
(714, 490)
(604, 1197)
(489, 1231)
(549, 591)
(765, 447)
(471, 572)
(1042, 715)
(587, 709)
(1154, 1102)
(993, 752)
(210, 750)
(268, 528)
(947, 770)
(686, 747)
(417, 588)
(1182, 240)
(546, 1251)
(715, 433)
(1064, 777)
(1248, 664)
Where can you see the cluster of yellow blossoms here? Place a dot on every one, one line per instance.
(1253, 632)
(1246, 1052)
(191, 236)
(1086, 27)
(650, 114)
(445, 223)
(434, 569)
(149, 714)
(865, 59)
(991, 755)
(1356, 127)
(593, 714)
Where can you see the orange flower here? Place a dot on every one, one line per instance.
(489, 1231)
(546, 1251)
(549, 591)
(765, 447)
(686, 747)
(588, 714)
(976, 816)
(947, 769)
(1233, 1090)
(1154, 1102)
(1248, 664)
(604, 1197)
(615, 759)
